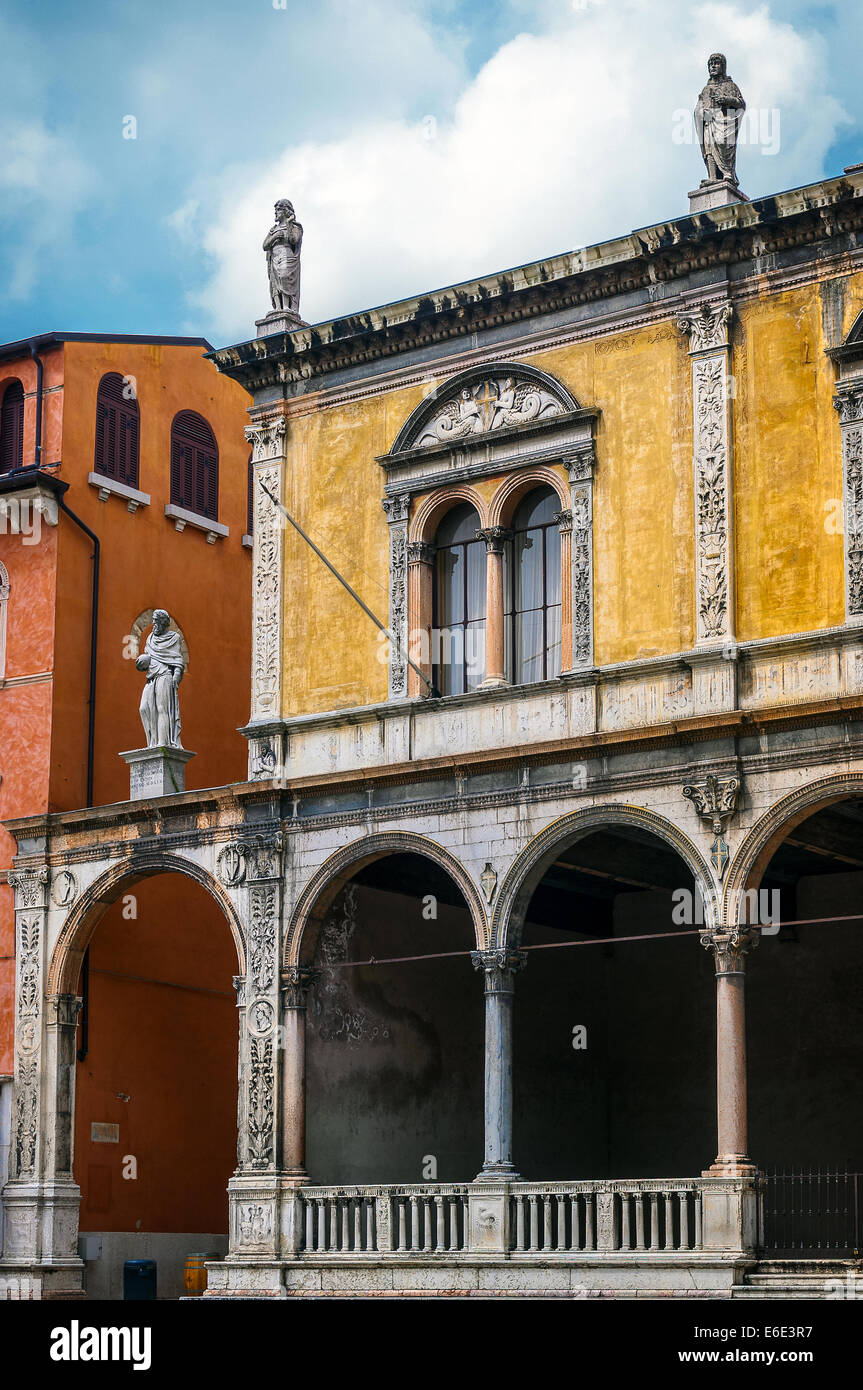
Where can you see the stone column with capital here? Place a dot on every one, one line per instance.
(564, 523)
(499, 968)
(729, 947)
(495, 538)
(420, 561)
(296, 981)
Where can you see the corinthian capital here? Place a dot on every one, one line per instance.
(706, 326)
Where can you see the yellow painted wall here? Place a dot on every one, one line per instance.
(788, 486)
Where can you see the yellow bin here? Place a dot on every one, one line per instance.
(195, 1274)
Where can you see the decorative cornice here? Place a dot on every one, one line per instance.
(715, 239)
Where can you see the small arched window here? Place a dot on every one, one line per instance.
(12, 428)
(194, 465)
(117, 430)
(532, 589)
(458, 638)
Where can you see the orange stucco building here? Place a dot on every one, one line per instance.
(128, 428)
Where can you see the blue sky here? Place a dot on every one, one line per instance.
(421, 142)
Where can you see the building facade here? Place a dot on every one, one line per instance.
(495, 881)
(123, 487)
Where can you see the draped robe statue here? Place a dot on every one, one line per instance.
(162, 659)
(718, 114)
(283, 244)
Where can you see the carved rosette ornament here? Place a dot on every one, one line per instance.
(580, 528)
(397, 510)
(707, 329)
(849, 404)
(267, 436)
(715, 800)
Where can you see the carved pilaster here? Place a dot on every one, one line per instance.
(849, 403)
(258, 998)
(576, 526)
(397, 510)
(267, 434)
(707, 329)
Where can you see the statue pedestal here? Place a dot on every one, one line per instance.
(715, 193)
(279, 321)
(156, 771)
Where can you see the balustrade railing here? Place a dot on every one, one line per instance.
(561, 1218)
(551, 1219)
(384, 1220)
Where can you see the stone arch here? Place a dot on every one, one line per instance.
(757, 848)
(511, 491)
(412, 428)
(431, 511)
(324, 885)
(88, 910)
(530, 865)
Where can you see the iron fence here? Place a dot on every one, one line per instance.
(815, 1213)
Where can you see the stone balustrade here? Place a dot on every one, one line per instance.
(548, 1219)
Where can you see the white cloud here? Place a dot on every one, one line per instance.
(562, 138)
(43, 185)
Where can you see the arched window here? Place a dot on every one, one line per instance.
(532, 589)
(458, 639)
(12, 428)
(117, 430)
(194, 465)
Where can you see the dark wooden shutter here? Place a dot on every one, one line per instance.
(117, 432)
(12, 428)
(194, 465)
(250, 499)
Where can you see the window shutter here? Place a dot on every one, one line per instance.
(12, 428)
(117, 432)
(194, 465)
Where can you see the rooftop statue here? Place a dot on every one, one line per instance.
(718, 114)
(162, 659)
(282, 245)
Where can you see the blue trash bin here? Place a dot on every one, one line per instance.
(139, 1280)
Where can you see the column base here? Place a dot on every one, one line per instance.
(498, 1172)
(731, 1166)
(494, 683)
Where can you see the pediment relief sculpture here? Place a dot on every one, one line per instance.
(485, 405)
